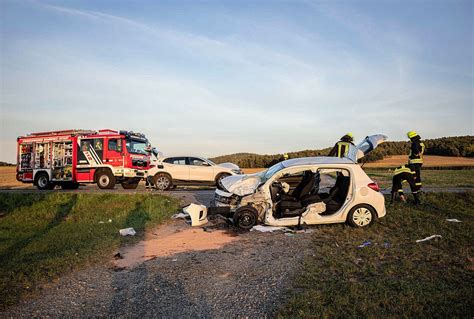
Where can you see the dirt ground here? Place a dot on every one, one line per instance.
(213, 271)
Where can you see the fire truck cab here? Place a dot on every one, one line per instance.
(67, 158)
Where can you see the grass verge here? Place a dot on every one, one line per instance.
(45, 235)
(430, 178)
(393, 276)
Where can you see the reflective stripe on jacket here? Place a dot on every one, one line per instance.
(402, 169)
(342, 148)
(416, 159)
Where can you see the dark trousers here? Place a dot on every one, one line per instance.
(417, 169)
(397, 180)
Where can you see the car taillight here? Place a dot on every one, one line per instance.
(374, 186)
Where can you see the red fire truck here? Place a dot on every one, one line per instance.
(67, 158)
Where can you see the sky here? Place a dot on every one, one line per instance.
(218, 77)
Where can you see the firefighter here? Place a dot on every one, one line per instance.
(415, 158)
(401, 174)
(285, 156)
(341, 149)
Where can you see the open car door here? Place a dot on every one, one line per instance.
(365, 147)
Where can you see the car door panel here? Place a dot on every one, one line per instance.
(199, 171)
(177, 167)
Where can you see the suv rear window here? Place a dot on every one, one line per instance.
(175, 160)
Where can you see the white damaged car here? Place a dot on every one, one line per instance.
(311, 190)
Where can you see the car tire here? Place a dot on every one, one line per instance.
(245, 217)
(361, 216)
(42, 181)
(127, 185)
(105, 179)
(163, 181)
(219, 177)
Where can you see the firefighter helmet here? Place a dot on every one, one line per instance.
(412, 134)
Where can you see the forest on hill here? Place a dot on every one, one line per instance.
(444, 146)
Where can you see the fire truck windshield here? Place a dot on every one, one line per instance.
(136, 146)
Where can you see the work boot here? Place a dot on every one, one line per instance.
(402, 198)
(417, 198)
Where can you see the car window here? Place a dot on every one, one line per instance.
(197, 162)
(115, 145)
(176, 160)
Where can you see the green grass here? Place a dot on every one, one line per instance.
(43, 236)
(395, 276)
(430, 178)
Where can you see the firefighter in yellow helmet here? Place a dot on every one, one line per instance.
(341, 149)
(415, 158)
(400, 175)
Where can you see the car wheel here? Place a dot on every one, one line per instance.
(219, 178)
(245, 217)
(163, 181)
(105, 179)
(361, 216)
(42, 181)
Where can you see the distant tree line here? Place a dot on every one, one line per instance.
(5, 164)
(445, 146)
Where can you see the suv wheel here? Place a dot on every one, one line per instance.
(163, 181)
(361, 216)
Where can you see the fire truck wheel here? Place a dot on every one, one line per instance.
(163, 181)
(127, 185)
(105, 179)
(42, 181)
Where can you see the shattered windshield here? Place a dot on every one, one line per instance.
(136, 146)
(271, 171)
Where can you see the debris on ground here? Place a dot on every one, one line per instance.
(453, 220)
(428, 238)
(270, 229)
(290, 234)
(198, 214)
(365, 244)
(102, 222)
(387, 244)
(118, 256)
(127, 232)
(180, 215)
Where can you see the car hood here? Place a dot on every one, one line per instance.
(229, 165)
(241, 185)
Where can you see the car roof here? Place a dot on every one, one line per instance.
(318, 160)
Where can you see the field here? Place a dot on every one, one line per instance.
(430, 178)
(45, 235)
(392, 276)
(429, 161)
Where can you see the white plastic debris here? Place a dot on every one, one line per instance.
(429, 238)
(269, 229)
(127, 232)
(198, 214)
(453, 220)
(101, 222)
(179, 215)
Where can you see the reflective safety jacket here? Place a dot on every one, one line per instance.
(403, 169)
(416, 152)
(341, 149)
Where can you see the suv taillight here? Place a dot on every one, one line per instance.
(374, 186)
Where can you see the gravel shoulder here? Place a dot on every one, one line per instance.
(247, 277)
